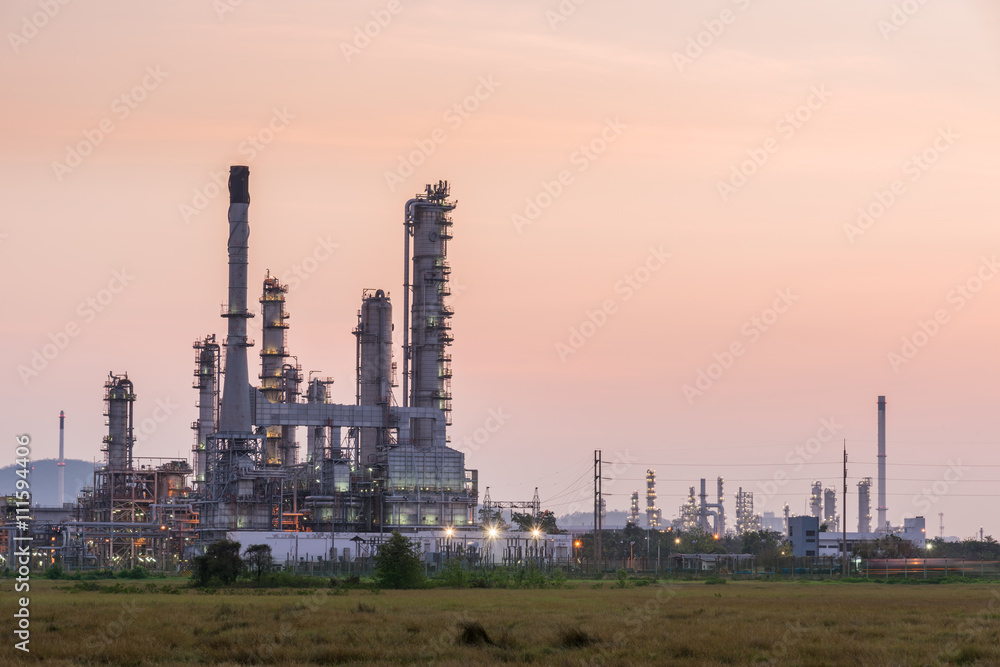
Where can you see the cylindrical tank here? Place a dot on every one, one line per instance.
(292, 377)
(120, 398)
(374, 334)
(207, 357)
(316, 435)
(430, 371)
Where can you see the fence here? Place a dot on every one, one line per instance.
(928, 568)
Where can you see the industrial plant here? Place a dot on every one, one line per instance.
(365, 469)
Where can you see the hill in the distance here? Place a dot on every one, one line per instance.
(44, 480)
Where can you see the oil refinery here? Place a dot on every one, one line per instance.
(365, 470)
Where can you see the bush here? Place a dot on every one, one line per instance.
(221, 561)
(453, 574)
(135, 573)
(621, 578)
(397, 564)
(54, 571)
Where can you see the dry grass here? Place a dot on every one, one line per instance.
(684, 624)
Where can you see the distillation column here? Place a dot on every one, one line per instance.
(374, 334)
(316, 436)
(119, 397)
(426, 366)
(292, 377)
(816, 500)
(206, 373)
(865, 505)
(272, 359)
(830, 509)
(652, 514)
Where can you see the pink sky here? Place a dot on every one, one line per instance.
(344, 120)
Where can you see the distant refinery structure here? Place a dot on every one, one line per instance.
(652, 513)
(697, 513)
(865, 505)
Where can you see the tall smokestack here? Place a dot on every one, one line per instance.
(62, 459)
(881, 463)
(235, 417)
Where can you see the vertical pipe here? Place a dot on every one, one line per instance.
(131, 424)
(722, 511)
(703, 511)
(62, 459)
(881, 464)
(844, 502)
(408, 217)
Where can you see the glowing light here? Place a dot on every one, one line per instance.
(449, 531)
(493, 531)
(536, 532)
(677, 541)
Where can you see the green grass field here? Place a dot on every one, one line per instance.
(685, 624)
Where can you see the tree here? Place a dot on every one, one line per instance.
(397, 564)
(545, 522)
(697, 541)
(524, 521)
(492, 517)
(221, 561)
(259, 560)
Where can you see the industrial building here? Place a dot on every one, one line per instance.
(366, 468)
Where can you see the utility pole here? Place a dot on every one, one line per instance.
(598, 520)
(843, 504)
